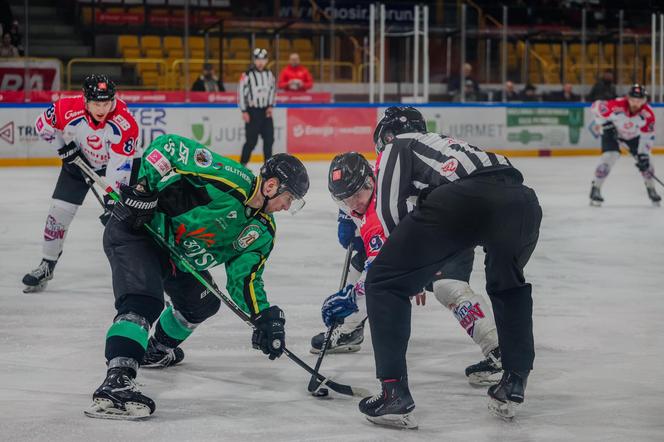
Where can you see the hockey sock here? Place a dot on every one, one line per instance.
(60, 216)
(606, 162)
(127, 339)
(172, 328)
(470, 309)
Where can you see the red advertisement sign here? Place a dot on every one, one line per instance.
(36, 96)
(12, 78)
(329, 130)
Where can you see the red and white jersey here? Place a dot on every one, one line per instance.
(110, 144)
(629, 125)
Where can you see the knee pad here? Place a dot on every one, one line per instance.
(607, 161)
(195, 314)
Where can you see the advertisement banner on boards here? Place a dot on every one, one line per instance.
(330, 130)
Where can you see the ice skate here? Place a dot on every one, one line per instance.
(654, 196)
(595, 196)
(486, 372)
(392, 407)
(118, 398)
(342, 341)
(36, 280)
(158, 355)
(505, 397)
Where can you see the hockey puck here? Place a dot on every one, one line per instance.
(321, 392)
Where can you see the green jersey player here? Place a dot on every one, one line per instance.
(215, 211)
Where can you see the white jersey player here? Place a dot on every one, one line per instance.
(628, 121)
(98, 128)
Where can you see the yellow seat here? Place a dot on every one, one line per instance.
(263, 43)
(302, 44)
(150, 42)
(127, 41)
(176, 53)
(154, 53)
(131, 53)
(239, 45)
(172, 42)
(196, 43)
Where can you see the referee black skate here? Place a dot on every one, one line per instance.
(256, 98)
(466, 198)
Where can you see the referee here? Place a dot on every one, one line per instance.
(256, 98)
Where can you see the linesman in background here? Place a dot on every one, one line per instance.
(256, 98)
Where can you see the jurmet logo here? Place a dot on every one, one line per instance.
(7, 132)
(202, 132)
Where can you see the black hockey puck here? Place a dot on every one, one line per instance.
(321, 392)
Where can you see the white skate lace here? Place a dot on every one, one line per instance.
(42, 271)
(130, 385)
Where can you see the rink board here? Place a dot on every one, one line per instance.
(317, 132)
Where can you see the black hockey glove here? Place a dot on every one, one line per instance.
(109, 204)
(609, 129)
(69, 152)
(137, 206)
(642, 161)
(269, 335)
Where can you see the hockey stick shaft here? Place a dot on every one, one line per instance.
(313, 385)
(181, 259)
(653, 176)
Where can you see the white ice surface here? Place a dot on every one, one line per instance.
(599, 304)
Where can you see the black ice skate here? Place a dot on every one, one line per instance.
(392, 407)
(507, 395)
(158, 355)
(486, 372)
(118, 398)
(36, 280)
(654, 196)
(342, 341)
(595, 196)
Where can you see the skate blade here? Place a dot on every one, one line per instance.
(656, 203)
(35, 288)
(596, 203)
(504, 410)
(104, 409)
(483, 379)
(352, 348)
(401, 421)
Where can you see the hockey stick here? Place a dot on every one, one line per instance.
(181, 259)
(314, 386)
(634, 156)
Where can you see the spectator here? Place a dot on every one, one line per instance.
(509, 92)
(454, 82)
(604, 89)
(208, 81)
(7, 49)
(470, 92)
(295, 77)
(17, 38)
(529, 93)
(565, 94)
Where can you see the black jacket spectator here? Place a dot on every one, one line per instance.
(565, 94)
(208, 81)
(604, 89)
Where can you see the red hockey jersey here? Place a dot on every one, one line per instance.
(110, 144)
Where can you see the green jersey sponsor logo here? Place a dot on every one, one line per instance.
(247, 237)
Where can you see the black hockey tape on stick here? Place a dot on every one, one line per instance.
(91, 184)
(315, 386)
(181, 259)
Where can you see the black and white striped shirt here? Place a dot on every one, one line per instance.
(256, 89)
(416, 161)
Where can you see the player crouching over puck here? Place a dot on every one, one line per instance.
(214, 211)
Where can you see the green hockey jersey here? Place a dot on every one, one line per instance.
(202, 211)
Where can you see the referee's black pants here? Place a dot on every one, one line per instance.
(259, 124)
(494, 211)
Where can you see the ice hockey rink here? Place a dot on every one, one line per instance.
(598, 308)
